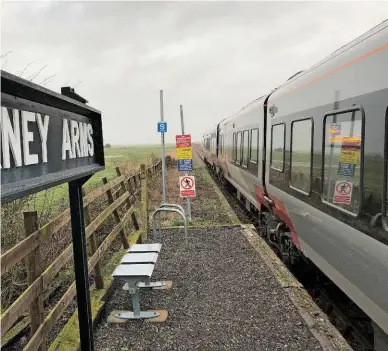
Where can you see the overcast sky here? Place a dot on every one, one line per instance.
(212, 57)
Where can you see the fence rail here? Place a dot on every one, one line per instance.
(129, 186)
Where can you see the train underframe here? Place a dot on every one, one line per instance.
(271, 227)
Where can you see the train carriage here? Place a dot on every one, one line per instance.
(311, 158)
(326, 167)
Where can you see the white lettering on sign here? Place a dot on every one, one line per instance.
(29, 159)
(10, 137)
(83, 131)
(77, 140)
(66, 143)
(43, 131)
(17, 135)
(90, 140)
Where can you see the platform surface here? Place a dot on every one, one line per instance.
(224, 297)
(145, 257)
(140, 248)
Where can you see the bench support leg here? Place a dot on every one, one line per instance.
(136, 314)
(136, 303)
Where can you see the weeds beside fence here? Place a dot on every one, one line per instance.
(109, 210)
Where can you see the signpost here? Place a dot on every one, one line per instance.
(185, 156)
(162, 128)
(187, 186)
(50, 139)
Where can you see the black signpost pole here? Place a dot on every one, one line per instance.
(81, 264)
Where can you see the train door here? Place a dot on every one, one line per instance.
(266, 144)
(385, 185)
(218, 141)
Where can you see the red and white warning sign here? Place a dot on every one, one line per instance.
(187, 186)
(343, 192)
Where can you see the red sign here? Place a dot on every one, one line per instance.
(183, 140)
(343, 192)
(187, 186)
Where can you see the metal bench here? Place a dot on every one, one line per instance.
(136, 269)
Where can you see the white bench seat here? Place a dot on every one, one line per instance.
(125, 271)
(140, 258)
(143, 248)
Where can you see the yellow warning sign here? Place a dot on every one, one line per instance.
(184, 153)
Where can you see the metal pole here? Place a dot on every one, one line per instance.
(188, 204)
(163, 151)
(81, 264)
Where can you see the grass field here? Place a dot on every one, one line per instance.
(128, 157)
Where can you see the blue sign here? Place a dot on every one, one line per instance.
(162, 127)
(185, 165)
(346, 169)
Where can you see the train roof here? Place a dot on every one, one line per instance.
(339, 51)
(301, 73)
(245, 107)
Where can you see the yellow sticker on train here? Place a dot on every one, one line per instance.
(184, 153)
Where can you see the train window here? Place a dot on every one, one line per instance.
(277, 149)
(342, 156)
(254, 152)
(301, 154)
(238, 148)
(245, 148)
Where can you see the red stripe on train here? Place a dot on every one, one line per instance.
(279, 210)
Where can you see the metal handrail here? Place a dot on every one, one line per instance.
(173, 205)
(165, 208)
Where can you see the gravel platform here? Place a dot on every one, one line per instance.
(223, 297)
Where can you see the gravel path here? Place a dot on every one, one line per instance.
(223, 298)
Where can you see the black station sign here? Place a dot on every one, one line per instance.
(46, 138)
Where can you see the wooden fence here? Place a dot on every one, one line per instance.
(120, 193)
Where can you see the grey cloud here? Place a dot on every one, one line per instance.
(212, 57)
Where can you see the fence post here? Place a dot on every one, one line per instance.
(144, 201)
(134, 181)
(131, 188)
(34, 270)
(122, 184)
(116, 215)
(134, 221)
(98, 279)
